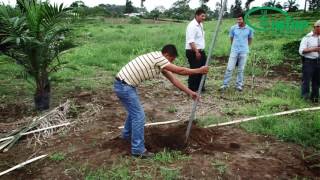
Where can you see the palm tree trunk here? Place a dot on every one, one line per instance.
(305, 6)
(42, 95)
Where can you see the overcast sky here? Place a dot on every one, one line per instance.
(151, 4)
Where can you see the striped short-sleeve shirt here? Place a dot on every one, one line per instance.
(144, 67)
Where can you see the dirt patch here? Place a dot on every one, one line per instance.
(173, 138)
(13, 112)
(96, 144)
(286, 72)
(246, 155)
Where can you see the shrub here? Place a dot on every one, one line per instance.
(135, 20)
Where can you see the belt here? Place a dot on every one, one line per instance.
(317, 60)
(123, 82)
(200, 50)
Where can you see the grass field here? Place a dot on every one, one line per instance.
(104, 45)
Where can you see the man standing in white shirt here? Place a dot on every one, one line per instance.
(195, 45)
(310, 52)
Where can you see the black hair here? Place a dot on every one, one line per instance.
(199, 12)
(241, 15)
(170, 49)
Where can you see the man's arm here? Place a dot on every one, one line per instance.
(249, 41)
(231, 34)
(179, 85)
(195, 49)
(186, 71)
(313, 49)
(250, 36)
(303, 49)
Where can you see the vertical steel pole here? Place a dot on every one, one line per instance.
(213, 43)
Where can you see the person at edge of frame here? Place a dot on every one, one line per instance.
(310, 51)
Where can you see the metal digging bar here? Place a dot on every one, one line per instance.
(214, 39)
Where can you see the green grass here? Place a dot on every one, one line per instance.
(219, 166)
(212, 119)
(163, 164)
(169, 157)
(103, 46)
(302, 128)
(280, 97)
(57, 157)
(120, 172)
(172, 109)
(169, 173)
(117, 171)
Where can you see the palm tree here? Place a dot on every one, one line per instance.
(247, 5)
(32, 35)
(305, 6)
(142, 2)
(202, 2)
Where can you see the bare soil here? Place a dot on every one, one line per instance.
(96, 144)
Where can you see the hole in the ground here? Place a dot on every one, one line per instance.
(173, 138)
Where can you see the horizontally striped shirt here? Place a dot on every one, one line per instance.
(144, 67)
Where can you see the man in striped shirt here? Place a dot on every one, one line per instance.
(145, 67)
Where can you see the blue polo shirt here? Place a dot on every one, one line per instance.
(240, 38)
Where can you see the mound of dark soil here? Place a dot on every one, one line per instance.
(174, 138)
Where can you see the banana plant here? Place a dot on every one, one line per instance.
(32, 34)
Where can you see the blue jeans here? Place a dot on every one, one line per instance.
(234, 57)
(134, 124)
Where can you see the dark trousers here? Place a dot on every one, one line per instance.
(310, 73)
(194, 80)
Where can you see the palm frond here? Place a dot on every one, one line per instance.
(53, 15)
(33, 37)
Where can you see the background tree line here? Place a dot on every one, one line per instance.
(181, 10)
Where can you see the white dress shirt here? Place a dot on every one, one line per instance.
(310, 41)
(195, 34)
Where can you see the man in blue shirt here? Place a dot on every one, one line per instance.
(241, 37)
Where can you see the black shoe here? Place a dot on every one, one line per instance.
(124, 138)
(314, 100)
(144, 155)
(223, 88)
(239, 88)
(305, 98)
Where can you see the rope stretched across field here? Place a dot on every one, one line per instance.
(263, 116)
(240, 120)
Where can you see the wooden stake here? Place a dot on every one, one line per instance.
(22, 164)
